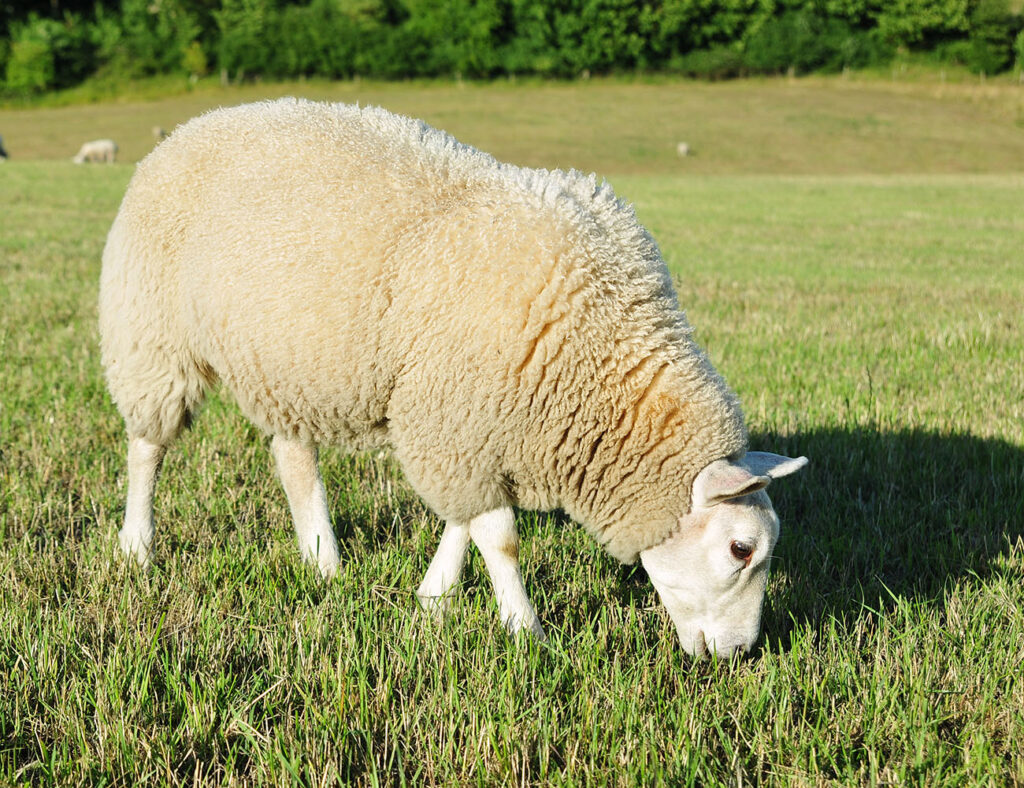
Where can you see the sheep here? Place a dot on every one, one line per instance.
(357, 278)
(3, 151)
(682, 149)
(96, 151)
(159, 133)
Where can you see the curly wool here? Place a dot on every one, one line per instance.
(354, 277)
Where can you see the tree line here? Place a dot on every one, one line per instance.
(59, 43)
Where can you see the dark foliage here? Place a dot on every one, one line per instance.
(58, 43)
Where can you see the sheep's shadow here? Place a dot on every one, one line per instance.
(877, 515)
(882, 515)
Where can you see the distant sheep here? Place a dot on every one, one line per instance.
(682, 149)
(96, 151)
(159, 134)
(358, 278)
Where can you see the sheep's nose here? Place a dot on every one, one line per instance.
(728, 652)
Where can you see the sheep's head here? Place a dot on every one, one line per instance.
(711, 573)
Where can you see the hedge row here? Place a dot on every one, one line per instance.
(491, 38)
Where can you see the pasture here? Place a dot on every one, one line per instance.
(852, 257)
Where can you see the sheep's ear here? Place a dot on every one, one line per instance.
(774, 466)
(722, 480)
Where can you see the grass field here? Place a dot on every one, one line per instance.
(868, 312)
(809, 126)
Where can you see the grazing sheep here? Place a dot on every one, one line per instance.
(358, 278)
(96, 151)
(682, 149)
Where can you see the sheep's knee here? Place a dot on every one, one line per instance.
(445, 569)
(136, 535)
(495, 535)
(300, 476)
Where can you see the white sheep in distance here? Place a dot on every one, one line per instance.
(96, 151)
(358, 278)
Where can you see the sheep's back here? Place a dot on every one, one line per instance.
(310, 254)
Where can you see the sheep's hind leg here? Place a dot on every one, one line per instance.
(494, 533)
(297, 467)
(445, 568)
(144, 460)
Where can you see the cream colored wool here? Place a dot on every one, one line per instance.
(359, 278)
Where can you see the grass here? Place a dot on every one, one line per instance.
(868, 320)
(808, 126)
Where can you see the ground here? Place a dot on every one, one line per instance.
(849, 252)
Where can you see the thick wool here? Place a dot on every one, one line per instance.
(358, 278)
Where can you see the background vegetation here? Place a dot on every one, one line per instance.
(59, 44)
(869, 317)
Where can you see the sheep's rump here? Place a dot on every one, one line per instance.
(358, 278)
(268, 244)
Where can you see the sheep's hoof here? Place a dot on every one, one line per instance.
(434, 606)
(325, 559)
(527, 628)
(134, 546)
(328, 569)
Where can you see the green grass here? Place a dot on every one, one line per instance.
(869, 321)
(616, 127)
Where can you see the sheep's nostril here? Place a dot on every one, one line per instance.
(727, 653)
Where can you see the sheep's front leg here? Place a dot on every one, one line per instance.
(445, 568)
(494, 533)
(300, 475)
(136, 536)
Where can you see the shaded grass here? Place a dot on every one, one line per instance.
(870, 323)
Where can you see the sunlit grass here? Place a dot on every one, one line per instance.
(616, 126)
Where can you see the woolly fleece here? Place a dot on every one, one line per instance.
(359, 278)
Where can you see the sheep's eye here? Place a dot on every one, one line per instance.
(741, 551)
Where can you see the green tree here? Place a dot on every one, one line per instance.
(454, 36)
(990, 44)
(49, 53)
(148, 37)
(916, 22)
(245, 35)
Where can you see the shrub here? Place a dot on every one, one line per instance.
(49, 53)
(991, 41)
(922, 22)
(193, 60)
(246, 41)
(597, 36)
(807, 41)
(713, 64)
(30, 66)
(454, 37)
(149, 37)
(712, 39)
(529, 47)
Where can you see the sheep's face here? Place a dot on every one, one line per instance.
(711, 573)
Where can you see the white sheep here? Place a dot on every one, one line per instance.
(358, 278)
(96, 151)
